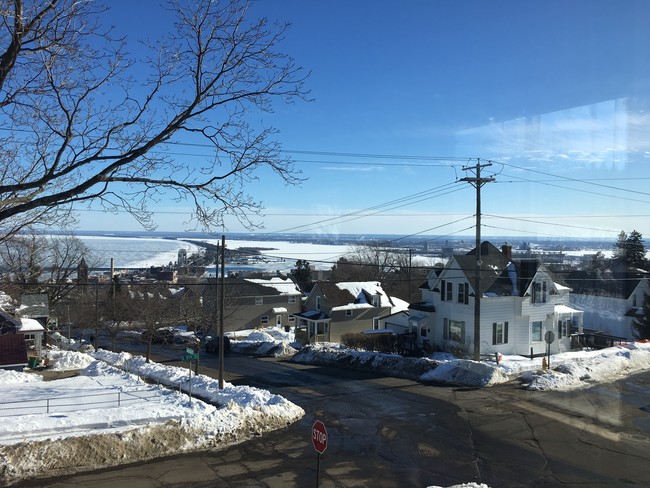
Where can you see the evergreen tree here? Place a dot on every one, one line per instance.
(302, 274)
(629, 250)
(642, 324)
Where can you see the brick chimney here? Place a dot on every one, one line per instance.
(506, 249)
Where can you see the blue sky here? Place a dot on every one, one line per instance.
(555, 93)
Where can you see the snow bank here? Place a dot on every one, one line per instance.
(107, 416)
(581, 369)
(466, 373)
(67, 360)
(331, 354)
(271, 341)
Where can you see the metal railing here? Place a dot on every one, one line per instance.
(75, 403)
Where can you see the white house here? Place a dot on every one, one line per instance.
(612, 303)
(520, 303)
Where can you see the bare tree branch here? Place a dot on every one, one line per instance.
(82, 123)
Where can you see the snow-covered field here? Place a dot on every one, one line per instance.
(108, 415)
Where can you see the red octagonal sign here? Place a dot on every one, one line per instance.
(319, 436)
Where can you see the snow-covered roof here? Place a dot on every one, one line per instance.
(30, 325)
(6, 302)
(565, 309)
(283, 286)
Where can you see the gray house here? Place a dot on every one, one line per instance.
(254, 303)
(334, 309)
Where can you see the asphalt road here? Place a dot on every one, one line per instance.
(390, 432)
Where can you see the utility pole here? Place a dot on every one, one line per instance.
(477, 182)
(221, 306)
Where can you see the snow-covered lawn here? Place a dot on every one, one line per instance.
(47, 426)
(108, 415)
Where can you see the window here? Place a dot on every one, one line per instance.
(536, 331)
(562, 328)
(443, 289)
(259, 300)
(318, 302)
(539, 292)
(423, 331)
(463, 293)
(348, 312)
(264, 319)
(455, 330)
(292, 299)
(499, 333)
(292, 319)
(450, 291)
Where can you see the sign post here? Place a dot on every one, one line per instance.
(190, 356)
(549, 337)
(319, 440)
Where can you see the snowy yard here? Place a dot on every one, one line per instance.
(109, 415)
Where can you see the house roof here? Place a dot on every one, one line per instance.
(284, 286)
(353, 293)
(257, 287)
(30, 325)
(34, 305)
(500, 274)
(8, 323)
(617, 284)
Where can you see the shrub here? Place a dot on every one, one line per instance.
(379, 342)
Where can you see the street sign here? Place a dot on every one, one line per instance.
(190, 357)
(549, 337)
(319, 436)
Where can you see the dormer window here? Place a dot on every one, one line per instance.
(539, 292)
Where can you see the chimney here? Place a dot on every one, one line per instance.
(506, 249)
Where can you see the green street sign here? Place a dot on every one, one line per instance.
(190, 357)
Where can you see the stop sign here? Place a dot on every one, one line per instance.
(319, 436)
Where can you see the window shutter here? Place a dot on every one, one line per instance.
(443, 290)
(494, 333)
(445, 329)
(505, 333)
(466, 293)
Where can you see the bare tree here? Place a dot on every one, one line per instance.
(82, 122)
(394, 268)
(155, 311)
(42, 264)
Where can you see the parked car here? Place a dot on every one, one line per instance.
(159, 336)
(212, 344)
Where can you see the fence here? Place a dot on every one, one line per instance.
(60, 404)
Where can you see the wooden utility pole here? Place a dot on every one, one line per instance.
(221, 305)
(477, 182)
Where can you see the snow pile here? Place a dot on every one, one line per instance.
(70, 345)
(67, 360)
(106, 417)
(260, 336)
(580, 369)
(270, 341)
(465, 485)
(8, 377)
(331, 354)
(466, 373)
